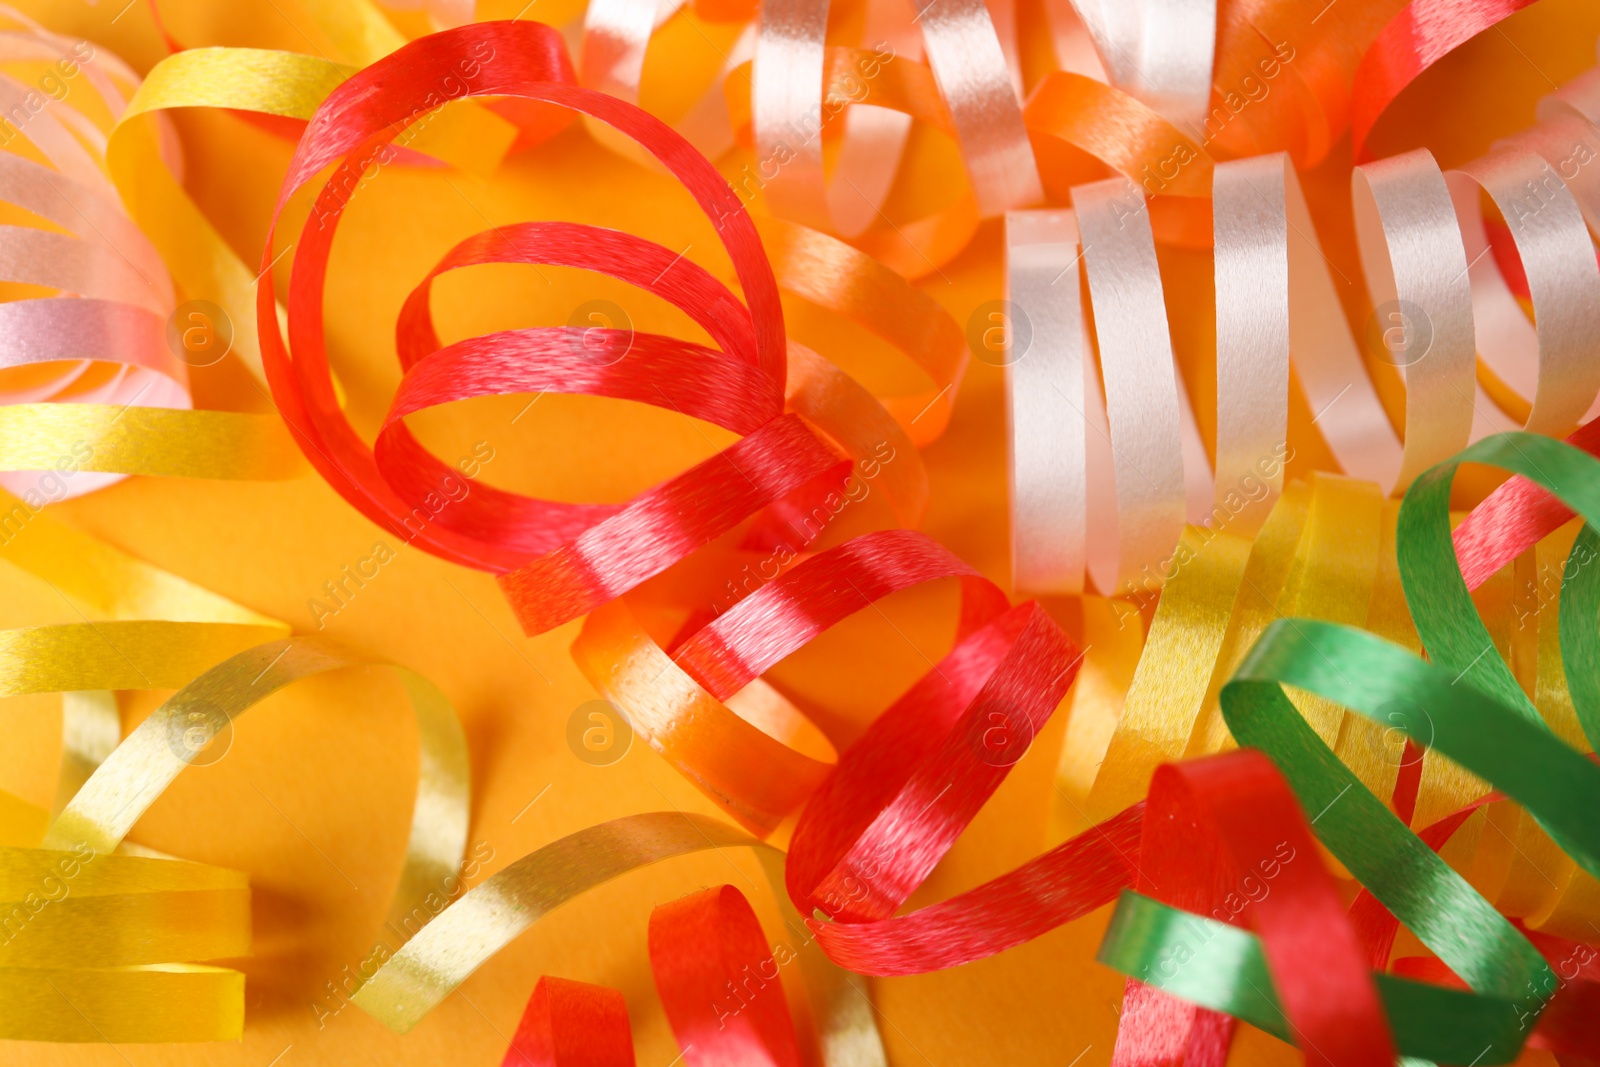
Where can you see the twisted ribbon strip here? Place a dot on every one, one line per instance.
(96, 378)
(876, 825)
(1110, 476)
(100, 938)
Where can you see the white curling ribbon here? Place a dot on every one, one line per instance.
(1099, 495)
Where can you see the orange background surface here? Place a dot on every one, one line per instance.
(313, 797)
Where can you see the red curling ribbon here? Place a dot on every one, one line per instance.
(667, 523)
(572, 1024)
(536, 123)
(719, 983)
(739, 645)
(1514, 518)
(1569, 1024)
(1424, 32)
(1217, 832)
(584, 556)
(898, 799)
(900, 796)
(1066, 883)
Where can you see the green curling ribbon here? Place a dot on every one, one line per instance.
(1223, 968)
(1580, 636)
(1389, 685)
(1466, 705)
(1442, 608)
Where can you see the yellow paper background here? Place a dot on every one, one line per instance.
(313, 798)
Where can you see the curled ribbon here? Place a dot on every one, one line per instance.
(1123, 476)
(99, 942)
(94, 380)
(874, 820)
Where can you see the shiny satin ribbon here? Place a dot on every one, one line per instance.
(1437, 303)
(1143, 398)
(842, 866)
(569, 1023)
(616, 34)
(845, 883)
(95, 380)
(1317, 553)
(105, 809)
(1161, 472)
(720, 984)
(1411, 254)
(1536, 362)
(1488, 727)
(1049, 382)
(702, 947)
(854, 286)
(1223, 968)
(1424, 32)
(1340, 66)
(1222, 835)
(789, 81)
(251, 80)
(1014, 663)
(801, 88)
(1156, 50)
(562, 582)
(102, 936)
(1157, 57)
(969, 66)
(889, 80)
(1192, 957)
(494, 912)
(748, 337)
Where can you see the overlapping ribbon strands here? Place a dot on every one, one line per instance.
(102, 936)
(1107, 457)
(1327, 759)
(104, 940)
(94, 387)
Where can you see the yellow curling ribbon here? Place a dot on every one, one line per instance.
(1168, 691)
(1113, 641)
(95, 944)
(170, 442)
(114, 295)
(285, 84)
(1218, 594)
(493, 913)
(1325, 551)
(357, 28)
